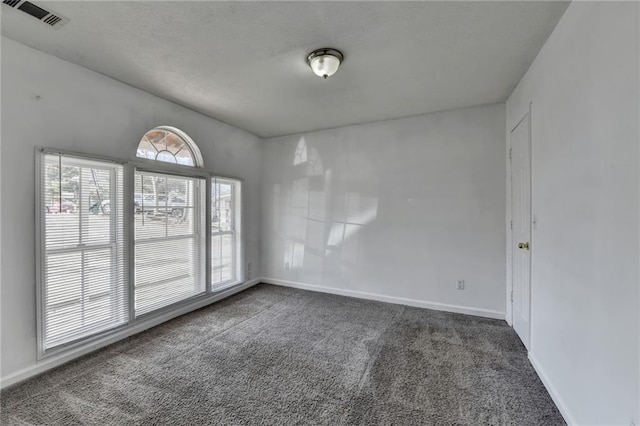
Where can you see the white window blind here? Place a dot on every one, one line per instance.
(84, 286)
(170, 244)
(225, 227)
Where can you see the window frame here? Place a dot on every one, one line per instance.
(238, 222)
(130, 167)
(132, 313)
(198, 161)
(41, 250)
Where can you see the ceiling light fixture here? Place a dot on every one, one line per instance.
(325, 62)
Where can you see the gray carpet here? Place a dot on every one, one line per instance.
(274, 356)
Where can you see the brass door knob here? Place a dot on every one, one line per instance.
(523, 246)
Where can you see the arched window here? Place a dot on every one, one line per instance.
(186, 237)
(170, 145)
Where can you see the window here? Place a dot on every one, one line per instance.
(84, 287)
(121, 241)
(225, 227)
(170, 240)
(170, 145)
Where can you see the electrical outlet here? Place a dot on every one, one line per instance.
(248, 266)
(287, 265)
(460, 285)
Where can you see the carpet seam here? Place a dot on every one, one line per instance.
(372, 359)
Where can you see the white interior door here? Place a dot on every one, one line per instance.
(521, 228)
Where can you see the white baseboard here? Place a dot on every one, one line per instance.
(57, 360)
(568, 417)
(479, 312)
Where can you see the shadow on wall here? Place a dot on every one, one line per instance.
(323, 212)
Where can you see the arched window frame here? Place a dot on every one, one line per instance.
(147, 165)
(192, 147)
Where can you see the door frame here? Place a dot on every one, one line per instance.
(508, 224)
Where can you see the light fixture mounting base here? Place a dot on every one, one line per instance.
(325, 51)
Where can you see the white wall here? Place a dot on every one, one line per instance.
(399, 208)
(83, 111)
(585, 249)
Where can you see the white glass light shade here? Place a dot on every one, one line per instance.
(324, 62)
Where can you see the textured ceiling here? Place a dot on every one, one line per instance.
(244, 62)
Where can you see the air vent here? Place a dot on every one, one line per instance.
(11, 3)
(46, 16)
(33, 10)
(52, 19)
